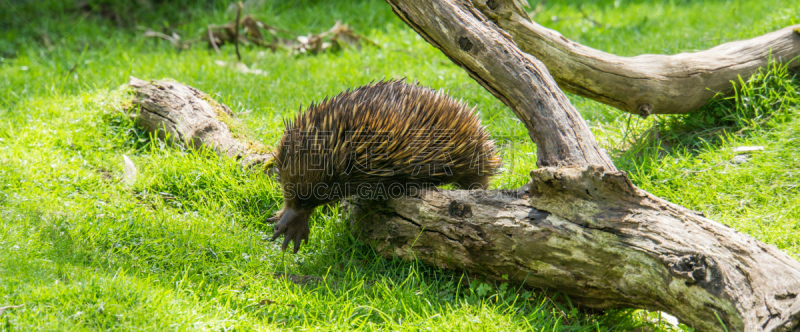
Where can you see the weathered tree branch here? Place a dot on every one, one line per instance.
(189, 118)
(644, 84)
(519, 80)
(593, 235)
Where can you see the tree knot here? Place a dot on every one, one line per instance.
(645, 110)
(464, 43)
(692, 267)
(589, 182)
(460, 210)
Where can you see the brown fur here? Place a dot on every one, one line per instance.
(386, 133)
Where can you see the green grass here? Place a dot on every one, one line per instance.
(183, 247)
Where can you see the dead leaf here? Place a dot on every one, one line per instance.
(174, 39)
(670, 319)
(268, 302)
(747, 148)
(331, 40)
(130, 170)
(740, 159)
(256, 32)
(240, 67)
(297, 279)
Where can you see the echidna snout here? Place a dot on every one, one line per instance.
(377, 141)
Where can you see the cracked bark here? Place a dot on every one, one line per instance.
(644, 84)
(187, 117)
(594, 236)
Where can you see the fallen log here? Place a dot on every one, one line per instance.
(189, 118)
(594, 236)
(649, 83)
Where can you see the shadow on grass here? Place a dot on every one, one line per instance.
(767, 99)
(143, 271)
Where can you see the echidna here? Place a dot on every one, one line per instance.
(379, 140)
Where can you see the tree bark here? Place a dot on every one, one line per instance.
(596, 237)
(644, 84)
(188, 118)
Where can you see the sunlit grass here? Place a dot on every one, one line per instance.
(183, 248)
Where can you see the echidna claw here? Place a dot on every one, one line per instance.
(294, 227)
(276, 217)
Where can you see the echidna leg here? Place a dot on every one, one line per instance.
(473, 182)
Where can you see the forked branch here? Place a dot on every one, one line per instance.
(649, 83)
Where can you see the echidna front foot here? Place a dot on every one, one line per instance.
(294, 227)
